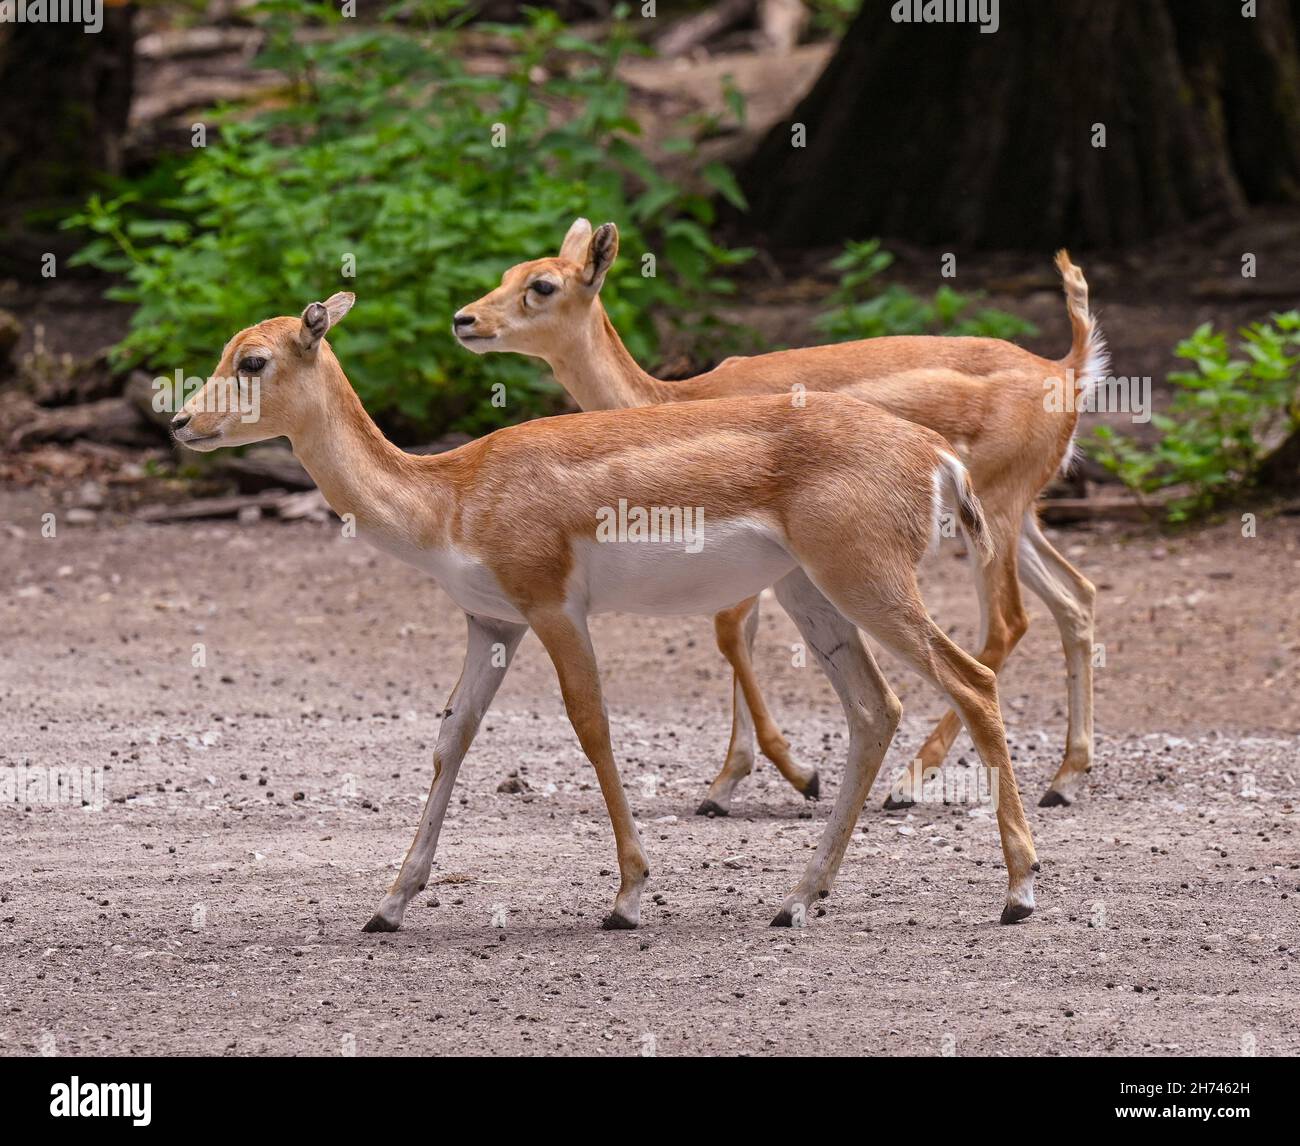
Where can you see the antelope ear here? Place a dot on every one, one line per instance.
(338, 305)
(601, 252)
(320, 316)
(574, 247)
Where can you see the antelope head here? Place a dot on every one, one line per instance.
(540, 304)
(272, 379)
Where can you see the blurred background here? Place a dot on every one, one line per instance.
(800, 171)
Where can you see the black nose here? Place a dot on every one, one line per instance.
(462, 319)
(180, 421)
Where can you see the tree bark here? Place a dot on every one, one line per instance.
(65, 96)
(941, 133)
(1246, 76)
(1280, 471)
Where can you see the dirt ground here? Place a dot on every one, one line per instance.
(256, 808)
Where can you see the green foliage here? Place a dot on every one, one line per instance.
(1226, 414)
(833, 17)
(383, 146)
(860, 308)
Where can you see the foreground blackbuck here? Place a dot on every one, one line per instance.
(835, 505)
(1009, 415)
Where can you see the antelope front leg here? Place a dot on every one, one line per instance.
(569, 645)
(735, 629)
(490, 647)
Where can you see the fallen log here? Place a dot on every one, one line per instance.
(11, 333)
(113, 421)
(1064, 510)
(203, 507)
(144, 397)
(310, 505)
(266, 467)
(185, 43)
(694, 31)
(782, 23)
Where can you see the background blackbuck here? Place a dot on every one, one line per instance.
(835, 505)
(991, 399)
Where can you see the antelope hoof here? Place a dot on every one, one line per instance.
(794, 912)
(713, 808)
(379, 923)
(1064, 788)
(1020, 897)
(1015, 912)
(893, 804)
(813, 789)
(796, 917)
(615, 922)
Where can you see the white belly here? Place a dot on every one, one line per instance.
(736, 559)
(733, 560)
(467, 581)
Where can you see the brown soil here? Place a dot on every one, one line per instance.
(205, 911)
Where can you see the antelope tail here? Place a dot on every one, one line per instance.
(1088, 355)
(956, 489)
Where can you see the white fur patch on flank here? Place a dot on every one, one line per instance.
(739, 557)
(937, 483)
(1071, 453)
(949, 481)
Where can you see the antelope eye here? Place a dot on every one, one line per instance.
(542, 287)
(252, 365)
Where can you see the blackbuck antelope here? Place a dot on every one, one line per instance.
(1009, 415)
(835, 505)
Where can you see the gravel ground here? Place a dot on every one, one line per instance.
(256, 807)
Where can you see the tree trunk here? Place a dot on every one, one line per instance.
(66, 95)
(938, 132)
(1280, 471)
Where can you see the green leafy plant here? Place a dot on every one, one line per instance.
(1227, 414)
(833, 17)
(860, 307)
(386, 166)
